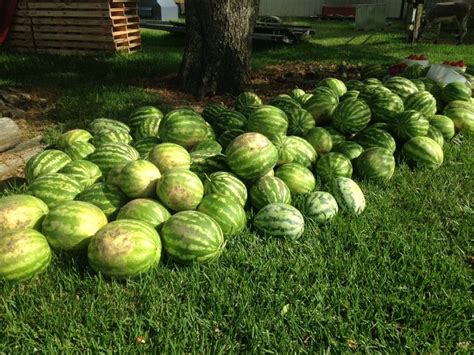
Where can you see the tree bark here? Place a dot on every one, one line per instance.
(218, 46)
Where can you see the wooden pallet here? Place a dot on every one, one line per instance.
(76, 27)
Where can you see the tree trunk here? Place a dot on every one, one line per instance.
(218, 46)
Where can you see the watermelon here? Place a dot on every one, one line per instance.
(226, 211)
(320, 206)
(210, 134)
(269, 189)
(124, 248)
(320, 139)
(375, 137)
(228, 136)
(294, 149)
(350, 94)
(456, 91)
(382, 125)
(246, 99)
(205, 163)
(436, 135)
(269, 121)
(348, 148)
(414, 71)
(229, 119)
(373, 71)
(297, 93)
(332, 165)
(111, 136)
(72, 136)
(423, 152)
(24, 254)
(285, 103)
(54, 188)
(444, 124)
(429, 84)
(21, 212)
(375, 163)
(369, 92)
(354, 85)
(351, 116)
(167, 156)
(145, 210)
(145, 145)
(99, 124)
(79, 150)
(208, 145)
(335, 85)
(336, 136)
(401, 86)
(251, 155)
(83, 171)
(192, 237)
(279, 220)
(300, 121)
(420, 85)
(149, 127)
(348, 195)
(422, 102)
(463, 119)
(386, 106)
(409, 124)
(109, 198)
(303, 99)
(113, 177)
(183, 127)
(144, 114)
(249, 110)
(72, 224)
(180, 189)
(110, 155)
(299, 179)
(227, 185)
(138, 179)
(210, 112)
(46, 162)
(321, 105)
(466, 105)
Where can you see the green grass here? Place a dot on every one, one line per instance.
(395, 279)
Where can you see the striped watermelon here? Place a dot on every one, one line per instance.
(180, 189)
(348, 195)
(208, 145)
(409, 124)
(321, 105)
(83, 171)
(192, 237)
(350, 94)
(414, 71)
(145, 145)
(466, 105)
(72, 224)
(229, 119)
(79, 150)
(375, 163)
(249, 110)
(21, 212)
(300, 121)
(205, 163)
(320, 139)
(375, 81)
(246, 99)
(269, 189)
(279, 220)
(382, 125)
(436, 135)
(251, 155)
(46, 162)
(210, 112)
(320, 206)
(332, 165)
(167, 156)
(375, 137)
(294, 149)
(138, 179)
(227, 212)
(110, 155)
(99, 124)
(386, 106)
(285, 103)
(403, 87)
(421, 101)
(420, 84)
(423, 152)
(335, 85)
(300, 180)
(111, 136)
(372, 91)
(456, 91)
(463, 119)
(113, 177)
(303, 99)
(72, 136)
(228, 136)
(336, 136)
(54, 188)
(24, 254)
(348, 148)
(297, 93)
(183, 127)
(145, 210)
(373, 71)
(444, 124)
(124, 248)
(149, 127)
(351, 116)
(354, 85)
(109, 198)
(143, 114)
(227, 185)
(429, 84)
(269, 121)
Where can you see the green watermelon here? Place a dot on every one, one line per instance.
(138, 179)
(279, 220)
(269, 121)
(466, 105)
(320, 139)
(54, 188)
(350, 94)
(463, 119)
(300, 121)
(386, 106)
(348, 195)
(208, 145)
(429, 84)
(72, 224)
(409, 124)
(24, 254)
(109, 198)
(145, 145)
(113, 177)
(351, 116)
(249, 110)
(321, 105)
(111, 136)
(320, 206)
(180, 189)
(210, 112)
(183, 127)
(99, 124)
(297, 93)
(373, 71)
(285, 103)
(229, 119)
(46, 162)
(444, 124)
(375, 137)
(226, 211)
(294, 149)
(371, 91)
(456, 91)
(335, 85)
(436, 135)
(21, 212)
(72, 136)
(303, 99)
(422, 102)
(167, 156)
(228, 136)
(423, 152)
(300, 180)
(354, 85)
(227, 185)
(348, 148)
(124, 248)
(401, 86)
(192, 237)
(145, 210)
(414, 71)
(149, 127)
(83, 171)
(111, 155)
(251, 155)
(336, 136)
(246, 99)
(332, 165)
(204, 163)
(144, 114)
(269, 189)
(420, 84)
(79, 150)
(375, 163)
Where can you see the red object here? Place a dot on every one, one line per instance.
(7, 11)
(339, 11)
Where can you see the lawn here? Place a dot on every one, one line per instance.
(396, 279)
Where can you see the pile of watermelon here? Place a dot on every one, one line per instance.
(178, 185)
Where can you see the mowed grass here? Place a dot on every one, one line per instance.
(396, 279)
